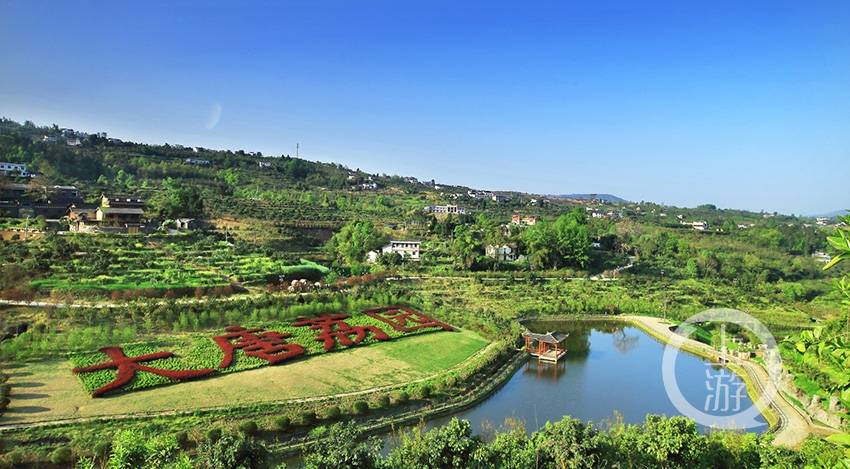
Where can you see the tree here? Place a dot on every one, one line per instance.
(465, 245)
(354, 241)
(176, 200)
(449, 446)
(232, 451)
(341, 447)
(569, 443)
(566, 242)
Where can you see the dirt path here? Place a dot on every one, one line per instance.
(793, 425)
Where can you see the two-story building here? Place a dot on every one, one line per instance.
(445, 210)
(14, 169)
(407, 249)
(504, 252)
(121, 211)
(519, 219)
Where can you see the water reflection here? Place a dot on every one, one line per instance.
(610, 369)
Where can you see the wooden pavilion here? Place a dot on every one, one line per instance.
(547, 347)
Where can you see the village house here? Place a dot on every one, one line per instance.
(822, 221)
(504, 252)
(821, 256)
(368, 186)
(264, 164)
(82, 218)
(122, 212)
(185, 224)
(479, 194)
(525, 220)
(499, 198)
(697, 225)
(197, 162)
(50, 139)
(409, 250)
(14, 169)
(445, 209)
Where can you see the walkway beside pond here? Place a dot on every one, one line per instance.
(793, 426)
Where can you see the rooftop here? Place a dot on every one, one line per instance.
(549, 337)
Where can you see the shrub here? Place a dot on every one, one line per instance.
(4, 404)
(248, 427)
(360, 408)
(15, 457)
(333, 412)
(128, 450)
(61, 455)
(182, 438)
(5, 390)
(381, 402)
(101, 448)
(283, 422)
(236, 450)
(401, 397)
(307, 417)
(423, 392)
(213, 434)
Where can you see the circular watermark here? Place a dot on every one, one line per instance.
(722, 406)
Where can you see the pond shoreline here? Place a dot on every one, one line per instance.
(789, 427)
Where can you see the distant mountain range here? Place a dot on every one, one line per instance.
(604, 197)
(831, 214)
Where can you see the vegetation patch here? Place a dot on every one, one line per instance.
(140, 366)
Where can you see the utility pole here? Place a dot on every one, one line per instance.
(297, 148)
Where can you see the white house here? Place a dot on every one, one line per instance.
(821, 256)
(409, 250)
(822, 221)
(9, 169)
(697, 225)
(445, 209)
(501, 253)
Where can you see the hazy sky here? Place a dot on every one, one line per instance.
(741, 104)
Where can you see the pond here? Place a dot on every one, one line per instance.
(609, 369)
(611, 372)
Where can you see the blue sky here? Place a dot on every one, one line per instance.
(741, 104)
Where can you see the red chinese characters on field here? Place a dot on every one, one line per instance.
(128, 366)
(269, 345)
(334, 329)
(400, 316)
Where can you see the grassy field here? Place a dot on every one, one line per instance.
(47, 390)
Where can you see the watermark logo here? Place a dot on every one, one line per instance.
(722, 406)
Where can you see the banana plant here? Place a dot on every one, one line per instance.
(842, 440)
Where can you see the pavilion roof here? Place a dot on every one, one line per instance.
(549, 337)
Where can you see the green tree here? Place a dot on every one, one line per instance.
(232, 451)
(341, 447)
(449, 446)
(354, 241)
(566, 242)
(465, 245)
(177, 200)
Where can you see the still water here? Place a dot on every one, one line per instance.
(609, 369)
